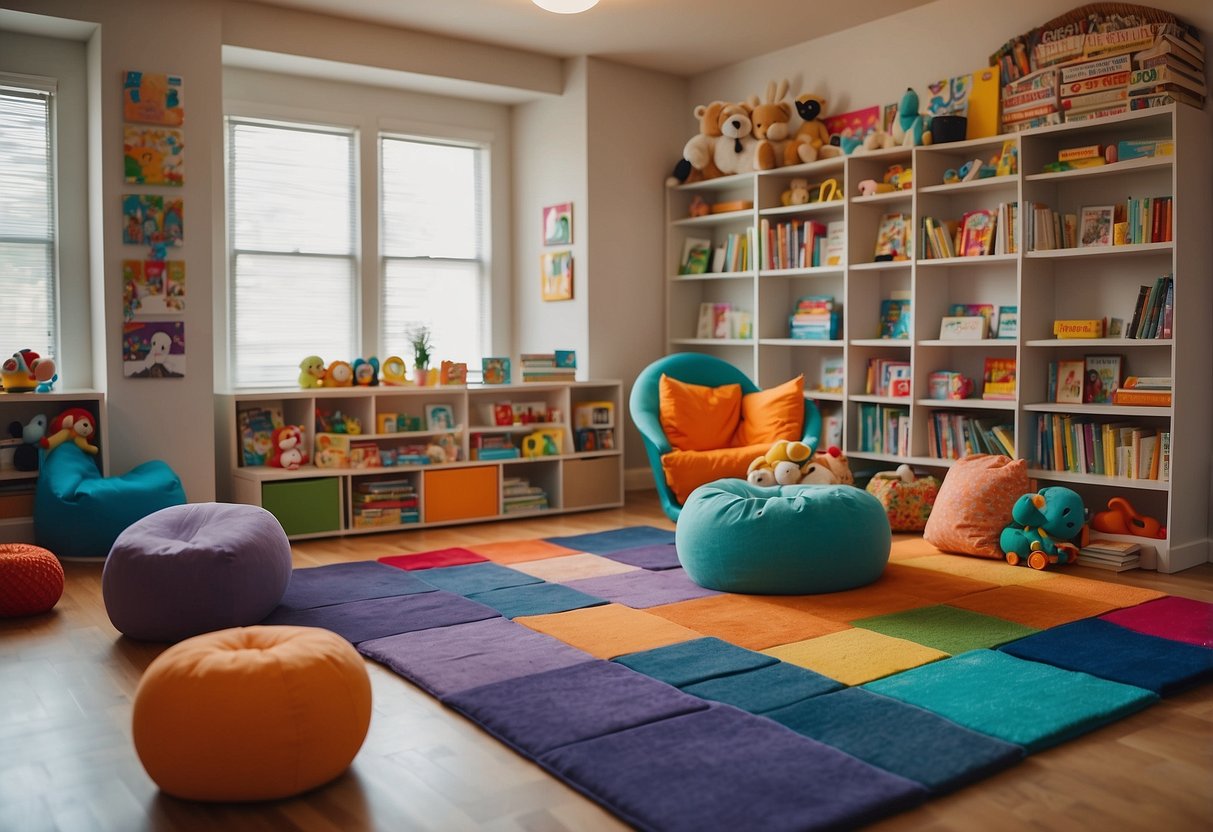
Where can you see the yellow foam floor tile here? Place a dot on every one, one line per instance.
(856, 656)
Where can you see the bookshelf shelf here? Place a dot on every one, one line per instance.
(683, 278)
(1043, 286)
(723, 218)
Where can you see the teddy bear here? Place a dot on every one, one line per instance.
(735, 150)
(797, 192)
(828, 467)
(770, 120)
(698, 156)
(910, 126)
(780, 465)
(812, 139)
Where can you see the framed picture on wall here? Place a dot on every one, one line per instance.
(556, 275)
(558, 224)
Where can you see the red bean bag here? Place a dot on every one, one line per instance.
(31, 580)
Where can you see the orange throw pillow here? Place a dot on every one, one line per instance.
(974, 504)
(770, 415)
(687, 470)
(698, 418)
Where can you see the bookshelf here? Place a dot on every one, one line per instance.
(314, 501)
(1044, 285)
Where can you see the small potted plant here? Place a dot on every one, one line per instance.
(422, 344)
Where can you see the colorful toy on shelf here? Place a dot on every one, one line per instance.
(339, 374)
(699, 207)
(770, 120)
(353, 425)
(975, 169)
(1047, 527)
(395, 373)
(735, 150)
(25, 455)
(288, 447)
(45, 375)
(543, 442)
(812, 139)
(366, 371)
(1122, 518)
(901, 178)
(797, 192)
(870, 187)
(698, 160)
(17, 372)
(75, 424)
(910, 126)
(311, 372)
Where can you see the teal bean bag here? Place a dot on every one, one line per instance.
(79, 514)
(782, 540)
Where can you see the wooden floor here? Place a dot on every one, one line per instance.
(66, 759)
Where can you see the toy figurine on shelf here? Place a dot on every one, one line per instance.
(17, 372)
(1046, 527)
(1122, 518)
(339, 374)
(366, 371)
(395, 373)
(699, 207)
(288, 447)
(75, 425)
(45, 375)
(311, 372)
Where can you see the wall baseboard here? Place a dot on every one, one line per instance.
(638, 479)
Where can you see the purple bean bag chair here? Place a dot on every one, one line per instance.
(195, 568)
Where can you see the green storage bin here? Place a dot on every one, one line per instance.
(304, 506)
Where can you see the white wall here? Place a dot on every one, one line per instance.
(65, 61)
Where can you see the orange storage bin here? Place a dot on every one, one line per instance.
(461, 494)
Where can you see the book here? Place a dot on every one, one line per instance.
(1142, 398)
(1101, 378)
(836, 244)
(833, 374)
(999, 379)
(1095, 226)
(696, 254)
(895, 318)
(1111, 566)
(977, 230)
(1008, 322)
(495, 370)
(892, 237)
(1070, 375)
(962, 328)
(1084, 328)
(257, 427)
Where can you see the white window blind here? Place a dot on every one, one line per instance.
(27, 222)
(292, 216)
(435, 266)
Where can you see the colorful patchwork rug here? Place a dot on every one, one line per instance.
(680, 708)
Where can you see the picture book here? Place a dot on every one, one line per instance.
(893, 237)
(895, 318)
(977, 233)
(1070, 375)
(566, 359)
(1008, 322)
(696, 254)
(257, 426)
(836, 244)
(703, 326)
(495, 370)
(962, 328)
(999, 379)
(1095, 226)
(1103, 374)
(946, 384)
(833, 373)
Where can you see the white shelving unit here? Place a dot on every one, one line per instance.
(319, 502)
(1077, 283)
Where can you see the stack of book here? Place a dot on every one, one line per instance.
(953, 435)
(792, 245)
(1146, 220)
(1154, 312)
(560, 365)
(493, 446)
(1046, 229)
(1144, 391)
(518, 495)
(888, 377)
(999, 379)
(1095, 88)
(1113, 555)
(1031, 101)
(814, 318)
(1081, 445)
(884, 429)
(385, 503)
(1169, 71)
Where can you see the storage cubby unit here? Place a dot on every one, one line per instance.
(17, 487)
(1042, 284)
(416, 460)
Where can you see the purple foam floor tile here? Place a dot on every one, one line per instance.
(341, 583)
(447, 660)
(360, 621)
(656, 557)
(722, 768)
(642, 589)
(538, 713)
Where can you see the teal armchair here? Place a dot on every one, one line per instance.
(691, 368)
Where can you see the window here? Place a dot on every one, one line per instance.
(434, 253)
(292, 240)
(27, 219)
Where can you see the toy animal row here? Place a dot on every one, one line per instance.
(364, 372)
(27, 371)
(73, 425)
(794, 463)
(757, 134)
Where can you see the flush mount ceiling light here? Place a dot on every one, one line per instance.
(565, 6)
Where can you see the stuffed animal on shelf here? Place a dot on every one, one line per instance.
(288, 447)
(699, 207)
(698, 160)
(311, 372)
(812, 139)
(735, 149)
(770, 120)
(1122, 518)
(75, 424)
(828, 467)
(45, 375)
(339, 374)
(910, 126)
(366, 372)
(797, 192)
(17, 372)
(395, 373)
(870, 187)
(1046, 527)
(25, 455)
(782, 464)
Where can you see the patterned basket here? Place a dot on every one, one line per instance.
(908, 504)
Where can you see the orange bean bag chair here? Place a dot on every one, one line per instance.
(31, 580)
(251, 713)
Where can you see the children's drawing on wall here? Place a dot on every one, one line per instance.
(153, 156)
(558, 224)
(153, 98)
(150, 220)
(557, 275)
(152, 288)
(153, 349)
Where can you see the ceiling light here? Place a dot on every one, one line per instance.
(565, 6)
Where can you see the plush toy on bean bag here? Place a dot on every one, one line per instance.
(698, 156)
(1046, 527)
(828, 467)
(783, 464)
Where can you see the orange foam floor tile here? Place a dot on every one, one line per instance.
(905, 546)
(930, 584)
(1032, 607)
(865, 602)
(609, 631)
(752, 621)
(981, 569)
(1119, 595)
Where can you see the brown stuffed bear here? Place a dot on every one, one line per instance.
(770, 119)
(812, 140)
(828, 467)
(698, 156)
